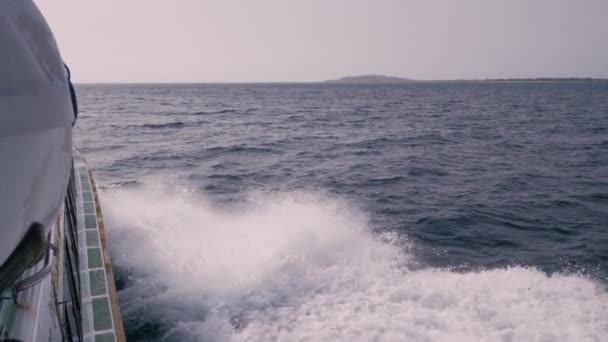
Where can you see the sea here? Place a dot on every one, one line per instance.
(427, 211)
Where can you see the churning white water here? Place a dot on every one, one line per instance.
(302, 266)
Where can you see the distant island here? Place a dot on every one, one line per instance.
(370, 79)
(540, 79)
(382, 79)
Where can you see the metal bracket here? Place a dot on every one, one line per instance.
(36, 278)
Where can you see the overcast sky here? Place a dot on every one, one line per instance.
(311, 40)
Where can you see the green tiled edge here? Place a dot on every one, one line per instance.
(89, 207)
(86, 184)
(102, 319)
(102, 315)
(107, 337)
(97, 282)
(87, 196)
(94, 258)
(90, 222)
(92, 239)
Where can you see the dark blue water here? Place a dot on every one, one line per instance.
(504, 183)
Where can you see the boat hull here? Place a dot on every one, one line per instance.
(36, 116)
(77, 301)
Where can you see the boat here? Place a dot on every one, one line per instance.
(56, 280)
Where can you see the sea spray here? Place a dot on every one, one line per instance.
(301, 266)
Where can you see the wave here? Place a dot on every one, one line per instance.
(176, 124)
(305, 266)
(240, 148)
(124, 184)
(220, 111)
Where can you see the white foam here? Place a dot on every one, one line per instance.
(304, 267)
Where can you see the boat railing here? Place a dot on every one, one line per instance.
(27, 254)
(39, 276)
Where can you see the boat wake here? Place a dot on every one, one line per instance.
(305, 266)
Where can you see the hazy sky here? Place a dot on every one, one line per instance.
(310, 40)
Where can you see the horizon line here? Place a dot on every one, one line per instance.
(405, 81)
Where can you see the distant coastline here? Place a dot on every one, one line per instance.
(383, 79)
(370, 79)
(544, 79)
(362, 79)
